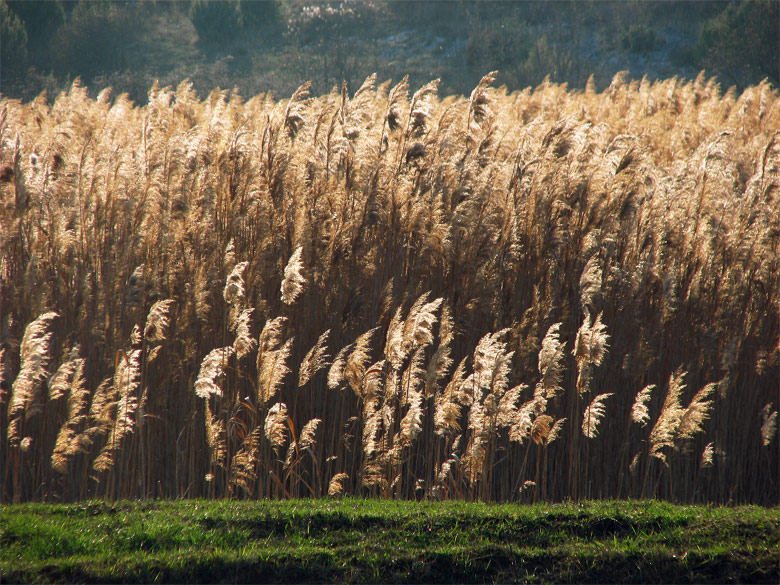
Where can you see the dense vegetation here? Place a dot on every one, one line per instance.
(542, 295)
(354, 541)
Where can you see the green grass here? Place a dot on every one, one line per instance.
(387, 541)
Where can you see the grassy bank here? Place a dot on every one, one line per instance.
(389, 541)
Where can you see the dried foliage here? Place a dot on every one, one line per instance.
(560, 247)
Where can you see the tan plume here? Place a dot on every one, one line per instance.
(707, 455)
(551, 361)
(590, 349)
(244, 343)
(479, 101)
(593, 414)
(158, 321)
(590, 284)
(215, 436)
(235, 292)
(446, 416)
(272, 371)
(271, 335)
(396, 98)
(243, 467)
(665, 429)
(540, 429)
(212, 368)
(696, 413)
(337, 484)
(305, 441)
(507, 406)
(768, 424)
(60, 382)
(25, 399)
(523, 420)
(315, 360)
(359, 357)
(127, 379)
(276, 425)
(639, 412)
(68, 443)
(294, 281)
(336, 371)
(296, 107)
(556, 431)
(422, 322)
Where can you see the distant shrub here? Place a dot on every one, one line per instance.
(13, 42)
(743, 36)
(97, 37)
(438, 14)
(307, 21)
(558, 61)
(499, 46)
(216, 21)
(257, 13)
(638, 39)
(40, 18)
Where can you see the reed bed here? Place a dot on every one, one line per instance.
(542, 295)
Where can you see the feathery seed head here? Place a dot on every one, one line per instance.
(590, 348)
(540, 429)
(211, 368)
(316, 359)
(639, 412)
(276, 425)
(234, 292)
(593, 415)
(336, 371)
(158, 321)
(294, 281)
(337, 484)
(551, 361)
(768, 424)
(244, 343)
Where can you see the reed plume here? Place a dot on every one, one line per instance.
(212, 368)
(336, 370)
(664, 431)
(61, 381)
(768, 424)
(69, 441)
(26, 400)
(551, 362)
(315, 360)
(337, 484)
(294, 281)
(273, 368)
(593, 415)
(590, 348)
(639, 412)
(540, 429)
(276, 425)
(126, 385)
(244, 343)
(235, 288)
(358, 359)
(158, 321)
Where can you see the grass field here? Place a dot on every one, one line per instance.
(355, 540)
